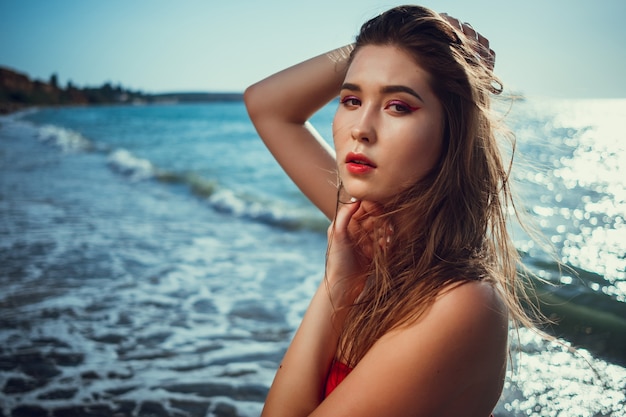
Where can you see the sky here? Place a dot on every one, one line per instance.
(545, 48)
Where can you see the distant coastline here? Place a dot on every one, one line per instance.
(18, 91)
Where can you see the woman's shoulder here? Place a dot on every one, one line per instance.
(475, 305)
(467, 323)
(471, 317)
(451, 360)
(482, 297)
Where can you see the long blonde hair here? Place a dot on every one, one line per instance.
(451, 226)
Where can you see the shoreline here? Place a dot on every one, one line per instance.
(9, 108)
(19, 91)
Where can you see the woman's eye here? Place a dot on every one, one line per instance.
(350, 101)
(400, 107)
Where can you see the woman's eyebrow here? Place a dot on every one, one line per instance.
(386, 89)
(351, 87)
(401, 89)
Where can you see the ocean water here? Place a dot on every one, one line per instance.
(155, 260)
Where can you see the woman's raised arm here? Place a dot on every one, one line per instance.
(280, 107)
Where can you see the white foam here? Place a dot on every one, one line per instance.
(127, 164)
(65, 139)
(227, 201)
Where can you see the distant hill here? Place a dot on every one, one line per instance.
(18, 91)
(196, 97)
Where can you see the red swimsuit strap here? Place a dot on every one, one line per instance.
(337, 373)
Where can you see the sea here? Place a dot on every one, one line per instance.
(156, 261)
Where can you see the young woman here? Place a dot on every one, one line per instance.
(411, 318)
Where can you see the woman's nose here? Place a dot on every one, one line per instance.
(364, 129)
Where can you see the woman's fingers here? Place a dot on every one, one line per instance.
(346, 265)
(359, 229)
(384, 241)
(355, 234)
(481, 44)
(343, 219)
(366, 229)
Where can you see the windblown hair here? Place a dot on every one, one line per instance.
(451, 226)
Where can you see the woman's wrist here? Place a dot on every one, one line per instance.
(344, 292)
(341, 56)
(307, 86)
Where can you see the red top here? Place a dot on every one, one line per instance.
(337, 373)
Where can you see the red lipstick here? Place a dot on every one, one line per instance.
(357, 163)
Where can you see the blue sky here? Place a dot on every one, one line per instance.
(551, 48)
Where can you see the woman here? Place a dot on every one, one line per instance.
(411, 318)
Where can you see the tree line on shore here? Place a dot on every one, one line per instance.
(19, 91)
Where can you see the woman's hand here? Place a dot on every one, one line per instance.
(353, 237)
(480, 43)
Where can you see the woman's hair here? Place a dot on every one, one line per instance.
(451, 226)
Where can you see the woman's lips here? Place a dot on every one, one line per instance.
(358, 163)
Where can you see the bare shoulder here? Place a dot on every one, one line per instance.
(473, 314)
(476, 315)
(450, 362)
(471, 301)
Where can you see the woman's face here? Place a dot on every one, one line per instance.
(388, 127)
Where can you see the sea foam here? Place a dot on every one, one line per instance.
(65, 139)
(131, 166)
